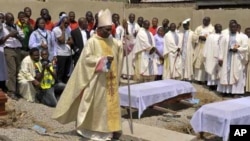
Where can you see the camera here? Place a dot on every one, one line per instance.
(44, 62)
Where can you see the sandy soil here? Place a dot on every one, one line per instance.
(22, 116)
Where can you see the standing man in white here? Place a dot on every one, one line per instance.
(131, 33)
(144, 56)
(232, 56)
(187, 50)
(210, 54)
(202, 31)
(172, 54)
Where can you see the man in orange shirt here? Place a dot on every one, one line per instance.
(72, 22)
(116, 23)
(28, 13)
(154, 26)
(113, 30)
(45, 14)
(90, 19)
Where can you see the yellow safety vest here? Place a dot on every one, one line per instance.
(47, 81)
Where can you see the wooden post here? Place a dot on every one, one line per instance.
(3, 100)
(164, 109)
(186, 103)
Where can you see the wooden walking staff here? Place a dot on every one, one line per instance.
(129, 94)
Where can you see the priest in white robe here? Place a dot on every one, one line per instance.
(130, 32)
(247, 32)
(232, 59)
(145, 59)
(187, 50)
(210, 54)
(202, 31)
(226, 31)
(172, 54)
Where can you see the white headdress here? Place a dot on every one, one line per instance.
(186, 21)
(104, 18)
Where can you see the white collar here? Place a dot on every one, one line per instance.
(42, 31)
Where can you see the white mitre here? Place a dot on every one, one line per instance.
(186, 21)
(104, 18)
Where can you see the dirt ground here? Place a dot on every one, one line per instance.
(22, 116)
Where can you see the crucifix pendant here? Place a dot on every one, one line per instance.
(111, 88)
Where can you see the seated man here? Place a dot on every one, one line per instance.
(28, 84)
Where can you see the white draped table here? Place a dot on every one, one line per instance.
(147, 94)
(217, 117)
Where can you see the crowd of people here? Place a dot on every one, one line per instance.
(43, 61)
(154, 52)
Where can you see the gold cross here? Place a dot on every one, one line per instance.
(111, 77)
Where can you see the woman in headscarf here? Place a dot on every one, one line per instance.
(159, 43)
(41, 38)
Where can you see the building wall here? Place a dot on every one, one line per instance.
(174, 14)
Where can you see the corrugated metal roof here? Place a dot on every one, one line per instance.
(165, 0)
(222, 4)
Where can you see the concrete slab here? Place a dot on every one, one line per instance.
(150, 133)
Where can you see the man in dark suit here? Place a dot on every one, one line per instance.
(80, 36)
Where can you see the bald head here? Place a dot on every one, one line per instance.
(206, 21)
(131, 17)
(89, 16)
(172, 27)
(233, 21)
(218, 28)
(2, 17)
(9, 18)
(72, 16)
(83, 23)
(247, 32)
(146, 24)
(140, 21)
(233, 27)
(165, 22)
